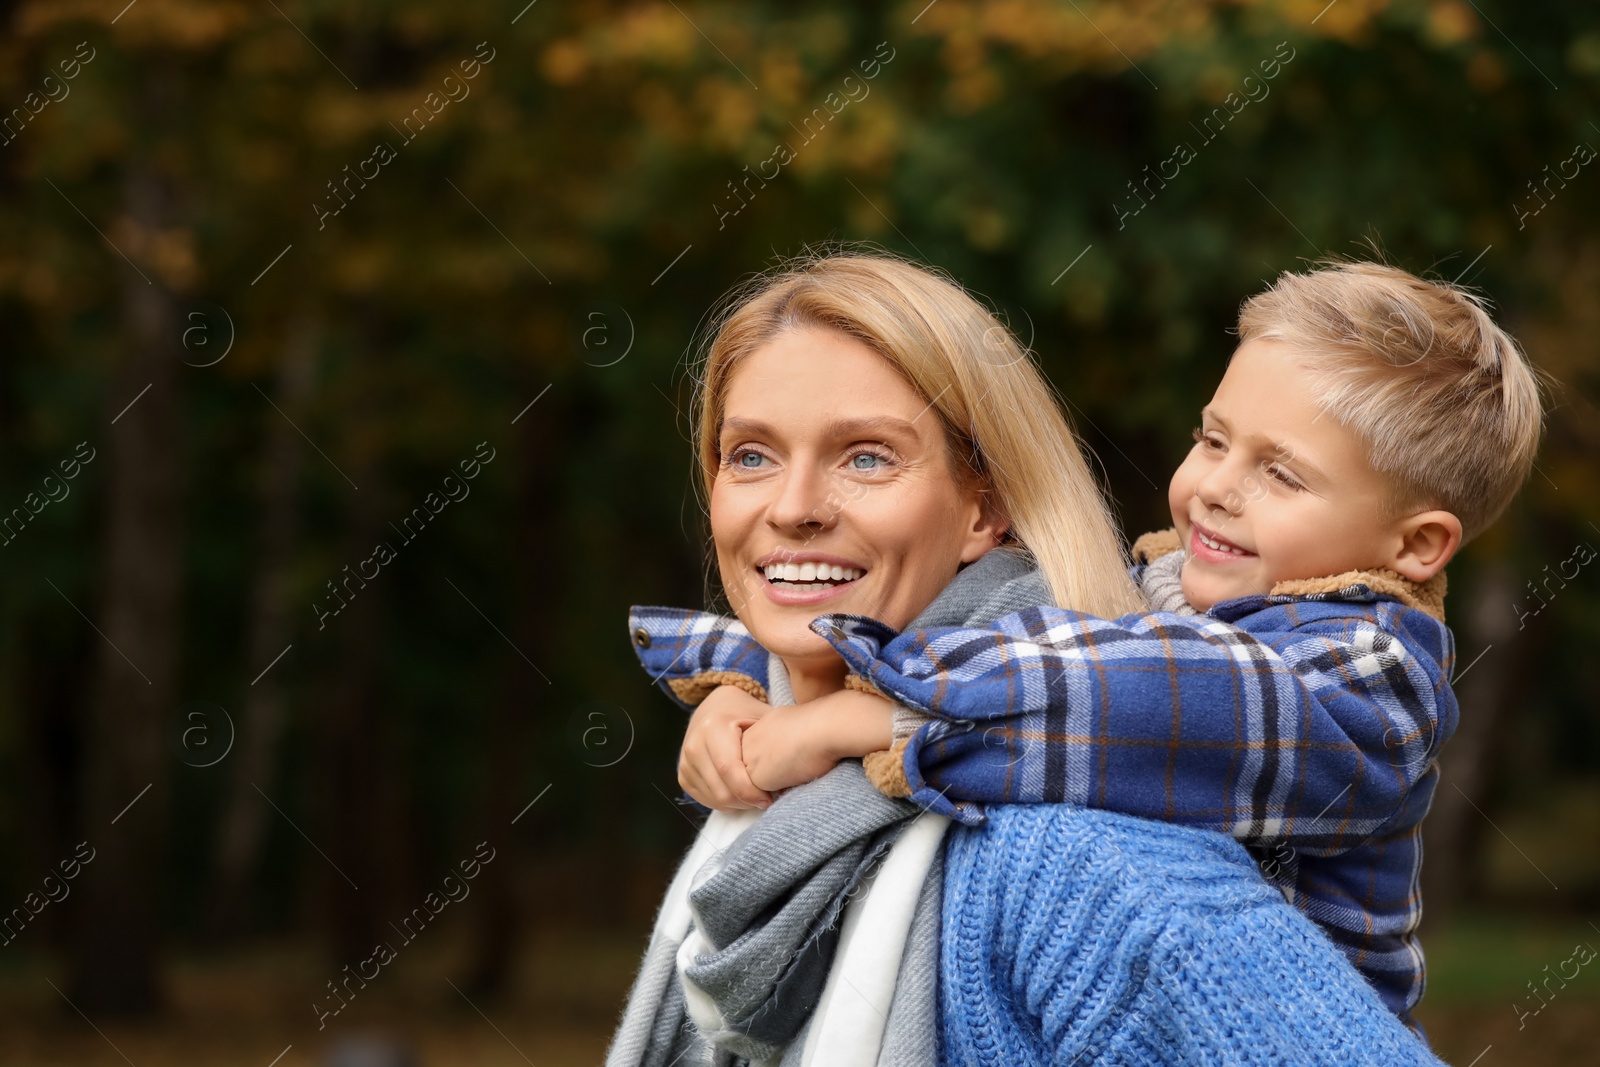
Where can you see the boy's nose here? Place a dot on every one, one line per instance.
(1218, 490)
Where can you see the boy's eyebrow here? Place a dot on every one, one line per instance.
(1283, 448)
(831, 428)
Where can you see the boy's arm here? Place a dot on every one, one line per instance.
(1313, 735)
(711, 769)
(800, 742)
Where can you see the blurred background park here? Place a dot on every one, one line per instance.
(275, 273)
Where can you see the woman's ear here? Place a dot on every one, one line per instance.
(989, 524)
(1427, 541)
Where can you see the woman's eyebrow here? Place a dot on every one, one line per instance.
(882, 424)
(887, 425)
(738, 425)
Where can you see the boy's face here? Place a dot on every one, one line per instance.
(1274, 489)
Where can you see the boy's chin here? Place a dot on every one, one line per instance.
(1200, 593)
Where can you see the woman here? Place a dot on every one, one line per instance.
(872, 442)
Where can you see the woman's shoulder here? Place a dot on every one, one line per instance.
(1104, 936)
(1039, 842)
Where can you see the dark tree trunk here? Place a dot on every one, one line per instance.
(525, 694)
(113, 962)
(1454, 829)
(358, 896)
(242, 829)
(359, 785)
(51, 695)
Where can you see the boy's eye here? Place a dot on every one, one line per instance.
(1282, 476)
(1209, 441)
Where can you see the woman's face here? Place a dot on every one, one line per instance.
(830, 458)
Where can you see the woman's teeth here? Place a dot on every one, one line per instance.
(815, 575)
(1218, 546)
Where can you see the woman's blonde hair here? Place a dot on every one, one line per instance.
(1004, 429)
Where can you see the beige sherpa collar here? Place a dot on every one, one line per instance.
(1425, 596)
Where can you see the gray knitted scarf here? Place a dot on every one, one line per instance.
(746, 950)
(1162, 584)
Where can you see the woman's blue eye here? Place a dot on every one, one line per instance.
(866, 455)
(748, 454)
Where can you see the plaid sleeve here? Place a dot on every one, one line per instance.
(1313, 733)
(688, 653)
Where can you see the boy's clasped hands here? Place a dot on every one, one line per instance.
(739, 751)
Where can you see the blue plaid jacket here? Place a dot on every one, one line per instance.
(1306, 725)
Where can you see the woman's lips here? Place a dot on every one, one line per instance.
(789, 596)
(1198, 549)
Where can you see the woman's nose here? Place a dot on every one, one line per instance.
(804, 498)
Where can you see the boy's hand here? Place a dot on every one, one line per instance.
(711, 765)
(802, 742)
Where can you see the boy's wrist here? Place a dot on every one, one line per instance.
(855, 723)
(905, 720)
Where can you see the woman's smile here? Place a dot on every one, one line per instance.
(807, 577)
(824, 444)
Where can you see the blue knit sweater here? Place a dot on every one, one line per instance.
(1078, 936)
(1091, 938)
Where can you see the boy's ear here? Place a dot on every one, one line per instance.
(1427, 541)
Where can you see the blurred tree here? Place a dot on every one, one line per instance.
(242, 827)
(136, 671)
(616, 152)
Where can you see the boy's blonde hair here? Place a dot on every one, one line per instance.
(1004, 429)
(1446, 403)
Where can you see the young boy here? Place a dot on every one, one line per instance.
(1291, 687)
